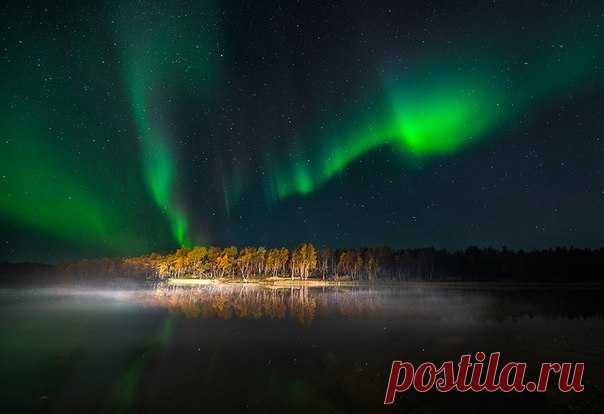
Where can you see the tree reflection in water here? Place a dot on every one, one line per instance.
(244, 301)
(422, 302)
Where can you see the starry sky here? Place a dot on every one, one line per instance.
(128, 127)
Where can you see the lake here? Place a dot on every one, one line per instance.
(234, 348)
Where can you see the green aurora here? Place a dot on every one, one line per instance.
(165, 58)
(431, 112)
(55, 201)
(92, 144)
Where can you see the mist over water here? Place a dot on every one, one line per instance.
(161, 347)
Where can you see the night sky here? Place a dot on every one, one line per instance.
(131, 127)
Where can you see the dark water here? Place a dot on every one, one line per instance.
(312, 350)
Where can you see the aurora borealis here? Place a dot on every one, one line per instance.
(159, 60)
(431, 112)
(128, 127)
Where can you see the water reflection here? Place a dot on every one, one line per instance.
(228, 301)
(294, 349)
(304, 304)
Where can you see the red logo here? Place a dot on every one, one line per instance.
(478, 375)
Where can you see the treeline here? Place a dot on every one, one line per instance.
(379, 263)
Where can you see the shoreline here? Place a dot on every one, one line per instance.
(280, 282)
(269, 282)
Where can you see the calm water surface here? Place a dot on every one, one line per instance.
(234, 348)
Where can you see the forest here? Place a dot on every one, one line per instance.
(360, 264)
